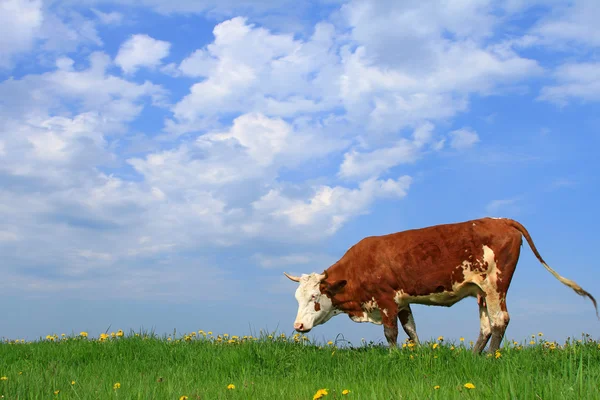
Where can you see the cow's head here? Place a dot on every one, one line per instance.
(314, 300)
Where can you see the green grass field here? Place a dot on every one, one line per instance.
(206, 366)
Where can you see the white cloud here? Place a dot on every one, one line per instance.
(575, 81)
(573, 22)
(109, 18)
(372, 164)
(330, 207)
(249, 68)
(20, 22)
(463, 138)
(141, 51)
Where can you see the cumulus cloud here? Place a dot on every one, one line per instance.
(574, 81)
(573, 22)
(21, 21)
(462, 139)
(329, 207)
(141, 51)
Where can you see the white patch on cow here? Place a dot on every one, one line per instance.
(371, 313)
(307, 295)
(385, 311)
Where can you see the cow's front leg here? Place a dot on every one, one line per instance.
(391, 332)
(408, 324)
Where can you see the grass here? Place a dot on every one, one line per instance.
(202, 366)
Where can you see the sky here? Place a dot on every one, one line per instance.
(162, 163)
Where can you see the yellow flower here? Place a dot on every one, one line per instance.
(4, 378)
(120, 333)
(441, 339)
(435, 345)
(451, 347)
(225, 335)
(20, 372)
(183, 398)
(436, 387)
(532, 342)
(56, 392)
(462, 339)
(116, 386)
(50, 338)
(469, 385)
(84, 334)
(540, 334)
(63, 335)
(320, 393)
(498, 354)
(210, 332)
(345, 392)
(235, 337)
(112, 334)
(169, 339)
(231, 386)
(103, 336)
(72, 382)
(330, 343)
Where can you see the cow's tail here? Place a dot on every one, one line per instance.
(573, 285)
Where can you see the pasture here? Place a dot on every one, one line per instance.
(207, 365)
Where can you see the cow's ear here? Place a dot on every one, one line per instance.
(336, 287)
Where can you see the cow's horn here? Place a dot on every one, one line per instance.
(322, 276)
(294, 278)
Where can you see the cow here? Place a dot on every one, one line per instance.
(378, 278)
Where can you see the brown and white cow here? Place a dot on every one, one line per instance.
(379, 277)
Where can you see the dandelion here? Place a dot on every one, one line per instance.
(441, 339)
(320, 393)
(4, 378)
(83, 334)
(72, 382)
(226, 335)
(20, 372)
(451, 347)
(532, 343)
(120, 333)
(231, 386)
(62, 335)
(210, 332)
(469, 385)
(345, 392)
(435, 345)
(498, 354)
(436, 387)
(540, 334)
(462, 339)
(330, 343)
(116, 386)
(56, 392)
(183, 398)
(50, 338)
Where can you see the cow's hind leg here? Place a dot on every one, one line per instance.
(408, 324)
(499, 319)
(485, 331)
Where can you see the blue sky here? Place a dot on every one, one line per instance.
(162, 163)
